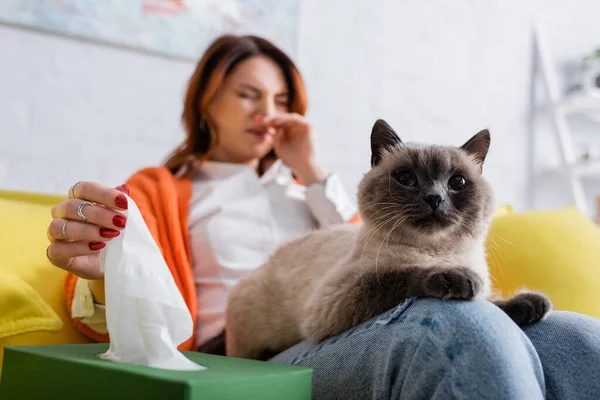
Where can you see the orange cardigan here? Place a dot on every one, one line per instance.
(164, 203)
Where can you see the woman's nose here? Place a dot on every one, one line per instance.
(266, 108)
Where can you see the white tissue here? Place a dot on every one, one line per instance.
(146, 315)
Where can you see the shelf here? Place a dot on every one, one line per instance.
(579, 170)
(585, 169)
(582, 103)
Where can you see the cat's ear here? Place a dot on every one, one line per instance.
(382, 137)
(478, 146)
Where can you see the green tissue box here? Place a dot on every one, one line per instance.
(75, 372)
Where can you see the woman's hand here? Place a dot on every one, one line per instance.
(293, 144)
(75, 242)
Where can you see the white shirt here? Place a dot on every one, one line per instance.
(237, 220)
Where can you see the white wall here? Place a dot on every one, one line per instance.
(73, 111)
(437, 71)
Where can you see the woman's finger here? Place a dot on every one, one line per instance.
(65, 250)
(94, 214)
(124, 188)
(278, 139)
(63, 263)
(96, 193)
(80, 258)
(63, 229)
(283, 119)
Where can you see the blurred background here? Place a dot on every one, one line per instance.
(93, 89)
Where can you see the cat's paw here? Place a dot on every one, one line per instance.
(452, 283)
(526, 308)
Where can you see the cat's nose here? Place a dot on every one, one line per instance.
(434, 200)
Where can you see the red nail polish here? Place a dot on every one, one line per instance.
(119, 221)
(109, 233)
(97, 245)
(126, 188)
(121, 201)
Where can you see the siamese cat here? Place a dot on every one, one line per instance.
(425, 212)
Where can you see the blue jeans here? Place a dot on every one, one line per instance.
(440, 349)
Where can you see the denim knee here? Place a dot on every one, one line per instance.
(568, 347)
(466, 348)
(578, 330)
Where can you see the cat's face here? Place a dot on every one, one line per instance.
(424, 192)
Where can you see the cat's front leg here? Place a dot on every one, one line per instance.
(526, 307)
(343, 300)
(458, 283)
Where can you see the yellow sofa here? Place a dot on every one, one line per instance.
(32, 305)
(554, 251)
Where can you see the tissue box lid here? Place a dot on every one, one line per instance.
(75, 371)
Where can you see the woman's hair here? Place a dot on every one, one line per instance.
(219, 60)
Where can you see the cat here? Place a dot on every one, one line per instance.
(425, 212)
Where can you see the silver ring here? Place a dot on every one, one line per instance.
(48, 257)
(80, 210)
(73, 190)
(54, 262)
(64, 230)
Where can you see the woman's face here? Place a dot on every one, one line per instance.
(255, 87)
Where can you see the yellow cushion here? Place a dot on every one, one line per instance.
(554, 251)
(503, 210)
(25, 218)
(22, 309)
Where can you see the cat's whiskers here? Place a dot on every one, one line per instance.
(377, 227)
(497, 236)
(469, 222)
(379, 204)
(494, 250)
(379, 222)
(476, 232)
(398, 220)
(375, 220)
(472, 225)
(506, 241)
(497, 253)
(382, 210)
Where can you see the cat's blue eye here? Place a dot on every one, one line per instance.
(457, 183)
(405, 178)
